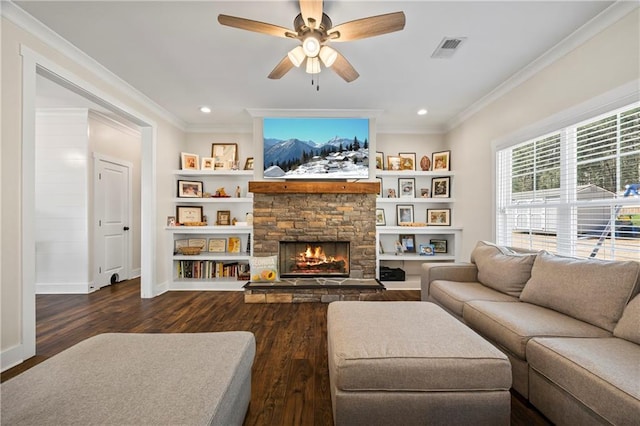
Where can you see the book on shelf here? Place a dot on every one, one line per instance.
(210, 269)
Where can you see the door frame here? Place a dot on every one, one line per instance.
(33, 63)
(97, 248)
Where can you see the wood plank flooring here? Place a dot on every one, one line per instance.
(290, 384)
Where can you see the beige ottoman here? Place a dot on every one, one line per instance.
(137, 379)
(412, 363)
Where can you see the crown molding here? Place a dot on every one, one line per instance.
(24, 20)
(113, 123)
(221, 128)
(335, 113)
(604, 19)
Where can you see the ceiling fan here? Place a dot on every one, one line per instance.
(315, 30)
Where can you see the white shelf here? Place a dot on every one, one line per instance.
(412, 173)
(218, 173)
(198, 200)
(224, 257)
(401, 200)
(417, 230)
(210, 229)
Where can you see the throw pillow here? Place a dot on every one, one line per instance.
(628, 327)
(594, 291)
(264, 269)
(502, 269)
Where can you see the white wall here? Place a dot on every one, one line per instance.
(605, 62)
(62, 215)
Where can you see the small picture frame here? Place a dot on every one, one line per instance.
(198, 242)
(178, 244)
(407, 187)
(189, 161)
(380, 219)
(439, 246)
(379, 160)
(407, 160)
(408, 242)
(234, 244)
(223, 217)
(393, 163)
(207, 163)
(404, 214)
(189, 189)
(217, 245)
(188, 214)
(440, 187)
(391, 193)
(426, 250)
(379, 180)
(248, 165)
(225, 155)
(424, 192)
(441, 161)
(171, 221)
(439, 217)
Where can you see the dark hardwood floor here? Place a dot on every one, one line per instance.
(290, 383)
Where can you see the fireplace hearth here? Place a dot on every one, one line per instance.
(314, 259)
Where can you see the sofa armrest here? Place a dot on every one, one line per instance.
(463, 272)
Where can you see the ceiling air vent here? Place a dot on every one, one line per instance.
(448, 46)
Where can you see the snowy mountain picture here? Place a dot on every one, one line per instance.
(316, 148)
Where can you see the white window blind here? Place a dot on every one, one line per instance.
(575, 191)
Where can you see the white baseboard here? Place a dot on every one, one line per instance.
(135, 273)
(11, 357)
(64, 288)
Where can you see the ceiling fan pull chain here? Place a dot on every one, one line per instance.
(318, 83)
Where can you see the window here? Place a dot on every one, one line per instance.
(575, 191)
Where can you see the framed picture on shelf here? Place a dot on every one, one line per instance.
(393, 163)
(440, 187)
(217, 245)
(225, 154)
(379, 180)
(171, 221)
(379, 161)
(189, 161)
(407, 160)
(380, 220)
(407, 187)
(424, 192)
(189, 189)
(439, 246)
(439, 217)
(234, 245)
(404, 213)
(188, 214)
(198, 242)
(223, 217)
(248, 165)
(441, 161)
(178, 244)
(426, 250)
(207, 163)
(408, 242)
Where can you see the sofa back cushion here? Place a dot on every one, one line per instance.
(628, 327)
(594, 291)
(502, 269)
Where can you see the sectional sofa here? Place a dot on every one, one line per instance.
(570, 327)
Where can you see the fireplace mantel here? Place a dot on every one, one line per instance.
(314, 187)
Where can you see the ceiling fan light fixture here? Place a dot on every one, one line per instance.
(296, 56)
(311, 45)
(313, 66)
(328, 56)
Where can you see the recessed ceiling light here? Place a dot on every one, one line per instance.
(205, 109)
(422, 111)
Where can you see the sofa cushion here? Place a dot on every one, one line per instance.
(511, 325)
(601, 373)
(595, 291)
(502, 269)
(452, 295)
(629, 325)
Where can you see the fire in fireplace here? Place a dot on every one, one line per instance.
(314, 259)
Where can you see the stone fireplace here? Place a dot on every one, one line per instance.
(317, 212)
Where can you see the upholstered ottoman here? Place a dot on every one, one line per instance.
(409, 363)
(137, 379)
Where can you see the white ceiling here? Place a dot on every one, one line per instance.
(177, 54)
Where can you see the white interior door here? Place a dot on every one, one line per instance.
(112, 215)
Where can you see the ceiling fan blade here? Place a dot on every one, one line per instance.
(281, 69)
(368, 27)
(311, 11)
(344, 69)
(256, 26)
